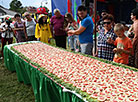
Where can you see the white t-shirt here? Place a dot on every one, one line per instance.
(6, 34)
(30, 27)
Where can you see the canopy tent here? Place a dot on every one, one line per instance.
(61, 5)
(66, 6)
(75, 4)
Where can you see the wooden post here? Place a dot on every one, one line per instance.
(95, 15)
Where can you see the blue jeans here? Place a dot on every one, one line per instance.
(86, 48)
(73, 42)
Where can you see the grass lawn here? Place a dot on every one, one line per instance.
(11, 90)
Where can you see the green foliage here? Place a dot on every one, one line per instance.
(16, 5)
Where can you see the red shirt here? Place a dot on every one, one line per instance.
(58, 23)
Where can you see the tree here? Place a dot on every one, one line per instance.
(16, 5)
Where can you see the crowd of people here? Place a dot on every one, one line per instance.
(114, 41)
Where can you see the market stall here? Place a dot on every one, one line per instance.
(57, 75)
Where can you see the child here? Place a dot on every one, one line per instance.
(42, 30)
(123, 43)
(71, 25)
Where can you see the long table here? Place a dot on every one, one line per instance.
(45, 89)
(57, 75)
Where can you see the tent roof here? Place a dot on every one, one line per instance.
(7, 11)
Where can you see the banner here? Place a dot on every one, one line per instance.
(75, 4)
(61, 5)
(69, 6)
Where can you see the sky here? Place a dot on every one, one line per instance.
(35, 3)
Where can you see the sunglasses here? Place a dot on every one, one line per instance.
(106, 22)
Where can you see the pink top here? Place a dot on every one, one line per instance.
(58, 23)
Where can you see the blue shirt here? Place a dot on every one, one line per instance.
(87, 35)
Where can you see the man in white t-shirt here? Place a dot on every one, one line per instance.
(6, 29)
(30, 26)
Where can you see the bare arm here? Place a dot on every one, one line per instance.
(129, 51)
(51, 28)
(23, 29)
(131, 28)
(135, 29)
(67, 28)
(2, 30)
(118, 50)
(78, 31)
(75, 26)
(16, 29)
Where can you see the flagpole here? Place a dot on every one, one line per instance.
(95, 15)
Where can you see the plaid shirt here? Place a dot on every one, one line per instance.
(105, 50)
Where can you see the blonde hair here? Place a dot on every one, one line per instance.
(119, 27)
(56, 10)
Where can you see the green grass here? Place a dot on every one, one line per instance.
(11, 90)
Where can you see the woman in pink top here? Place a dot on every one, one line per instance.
(21, 35)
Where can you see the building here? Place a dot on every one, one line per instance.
(5, 11)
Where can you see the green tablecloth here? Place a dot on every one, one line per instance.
(45, 89)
